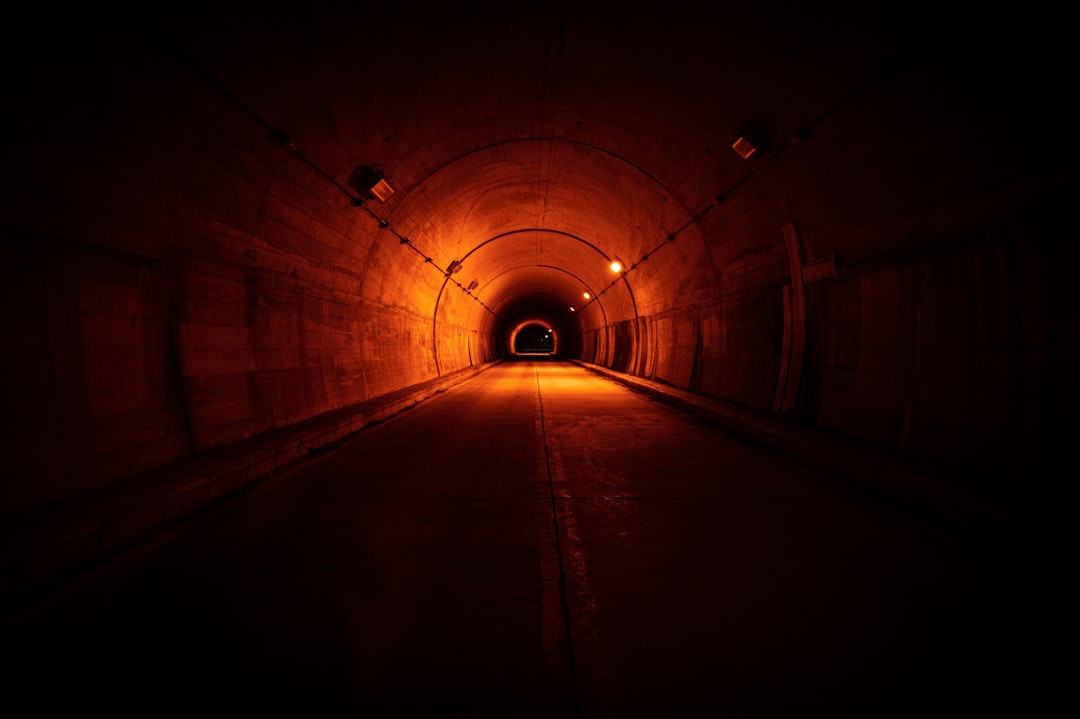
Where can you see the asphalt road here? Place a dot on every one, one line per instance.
(543, 542)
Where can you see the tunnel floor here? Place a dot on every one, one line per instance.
(543, 542)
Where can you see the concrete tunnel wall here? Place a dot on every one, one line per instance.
(187, 267)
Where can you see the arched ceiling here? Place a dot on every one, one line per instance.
(532, 142)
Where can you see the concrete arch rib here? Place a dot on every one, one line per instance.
(537, 292)
(542, 217)
(575, 256)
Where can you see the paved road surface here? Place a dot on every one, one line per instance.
(543, 542)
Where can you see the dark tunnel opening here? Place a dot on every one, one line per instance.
(525, 319)
(534, 339)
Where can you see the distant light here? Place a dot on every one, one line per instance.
(616, 267)
(572, 309)
(586, 295)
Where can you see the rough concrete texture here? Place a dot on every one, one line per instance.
(192, 261)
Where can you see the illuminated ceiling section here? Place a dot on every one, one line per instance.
(542, 219)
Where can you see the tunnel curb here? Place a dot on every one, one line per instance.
(45, 549)
(1014, 527)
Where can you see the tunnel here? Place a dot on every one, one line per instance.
(240, 235)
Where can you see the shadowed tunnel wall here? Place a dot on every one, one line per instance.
(188, 264)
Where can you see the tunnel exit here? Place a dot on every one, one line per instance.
(533, 339)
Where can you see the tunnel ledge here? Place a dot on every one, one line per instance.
(940, 495)
(44, 549)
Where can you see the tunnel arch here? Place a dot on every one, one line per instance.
(535, 340)
(536, 303)
(588, 274)
(634, 223)
(556, 288)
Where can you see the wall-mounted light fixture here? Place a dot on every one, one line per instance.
(743, 146)
(370, 182)
(586, 295)
(454, 266)
(472, 285)
(616, 266)
(749, 140)
(382, 190)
